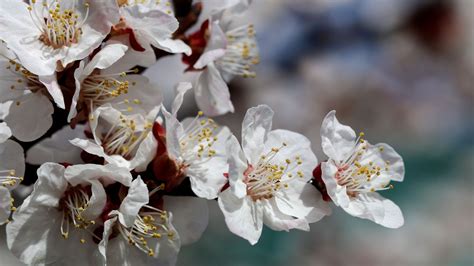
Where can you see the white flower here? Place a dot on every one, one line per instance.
(124, 140)
(269, 179)
(55, 224)
(12, 168)
(47, 35)
(229, 51)
(153, 24)
(357, 169)
(149, 235)
(29, 108)
(99, 81)
(198, 147)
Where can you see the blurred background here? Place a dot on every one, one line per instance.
(399, 70)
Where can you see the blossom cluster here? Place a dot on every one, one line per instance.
(125, 181)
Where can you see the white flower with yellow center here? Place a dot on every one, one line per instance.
(268, 180)
(198, 147)
(230, 51)
(124, 140)
(56, 223)
(140, 234)
(99, 81)
(356, 170)
(29, 107)
(12, 168)
(47, 35)
(153, 24)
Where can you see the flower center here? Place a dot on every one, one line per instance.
(268, 177)
(59, 26)
(73, 204)
(150, 224)
(8, 178)
(361, 176)
(241, 52)
(98, 89)
(198, 139)
(124, 138)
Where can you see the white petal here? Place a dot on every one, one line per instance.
(145, 153)
(137, 197)
(237, 166)
(95, 149)
(297, 145)
(50, 186)
(5, 206)
(211, 92)
(328, 173)
(105, 57)
(22, 37)
(103, 245)
(278, 221)
(337, 140)
(132, 57)
(51, 84)
(181, 89)
(12, 157)
(302, 200)
(381, 210)
(242, 216)
(174, 130)
(255, 127)
(57, 148)
(5, 132)
(190, 217)
(108, 174)
(215, 47)
(31, 118)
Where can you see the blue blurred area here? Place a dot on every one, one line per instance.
(402, 72)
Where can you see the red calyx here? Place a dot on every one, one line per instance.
(319, 183)
(197, 41)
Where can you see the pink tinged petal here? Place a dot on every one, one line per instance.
(137, 197)
(211, 92)
(215, 47)
(242, 216)
(51, 84)
(337, 140)
(107, 174)
(278, 221)
(5, 207)
(50, 186)
(181, 89)
(237, 166)
(190, 217)
(31, 118)
(255, 127)
(57, 148)
(302, 200)
(5, 132)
